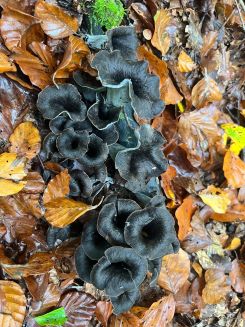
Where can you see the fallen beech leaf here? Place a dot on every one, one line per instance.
(138, 311)
(183, 299)
(237, 134)
(79, 307)
(103, 312)
(33, 67)
(44, 53)
(161, 38)
(166, 182)
(235, 244)
(216, 287)
(126, 319)
(234, 170)
(13, 25)
(184, 214)
(12, 304)
(25, 140)
(58, 187)
(204, 92)
(198, 269)
(54, 21)
(5, 64)
(53, 318)
(11, 174)
(75, 52)
(185, 63)
(237, 276)
(50, 298)
(61, 212)
(208, 42)
(216, 198)
(160, 313)
(34, 33)
(15, 77)
(175, 271)
(39, 263)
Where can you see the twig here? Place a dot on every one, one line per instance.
(239, 11)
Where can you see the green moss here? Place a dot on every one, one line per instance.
(108, 13)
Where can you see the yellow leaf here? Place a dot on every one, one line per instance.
(5, 64)
(215, 198)
(237, 134)
(25, 140)
(161, 38)
(11, 167)
(8, 187)
(235, 244)
(185, 63)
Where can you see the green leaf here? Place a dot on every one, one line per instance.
(56, 317)
(237, 134)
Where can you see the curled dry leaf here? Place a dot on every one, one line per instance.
(184, 214)
(175, 271)
(34, 33)
(237, 276)
(216, 198)
(58, 187)
(12, 304)
(54, 21)
(166, 182)
(44, 53)
(126, 319)
(217, 286)
(160, 313)
(11, 174)
(205, 92)
(161, 38)
(25, 140)
(185, 63)
(234, 170)
(6, 65)
(103, 312)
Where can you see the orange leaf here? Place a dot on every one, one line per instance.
(185, 63)
(5, 64)
(184, 214)
(33, 67)
(103, 312)
(54, 21)
(234, 213)
(204, 92)
(44, 53)
(216, 288)
(234, 170)
(75, 52)
(160, 313)
(25, 140)
(161, 39)
(12, 304)
(58, 187)
(34, 33)
(126, 319)
(175, 271)
(166, 182)
(237, 276)
(15, 77)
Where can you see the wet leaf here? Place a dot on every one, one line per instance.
(166, 182)
(33, 33)
(58, 187)
(6, 65)
(216, 198)
(184, 214)
(44, 53)
(53, 318)
(25, 140)
(185, 63)
(237, 134)
(12, 303)
(175, 271)
(237, 276)
(205, 92)
(54, 21)
(103, 312)
(126, 319)
(234, 170)
(216, 288)
(161, 39)
(160, 313)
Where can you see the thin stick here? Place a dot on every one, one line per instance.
(240, 14)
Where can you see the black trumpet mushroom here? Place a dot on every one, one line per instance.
(84, 264)
(125, 301)
(119, 270)
(80, 184)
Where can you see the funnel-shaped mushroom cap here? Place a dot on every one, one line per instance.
(83, 264)
(72, 145)
(109, 135)
(53, 101)
(125, 301)
(80, 184)
(49, 148)
(120, 270)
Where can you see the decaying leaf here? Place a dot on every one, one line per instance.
(54, 21)
(237, 135)
(160, 313)
(166, 182)
(44, 53)
(216, 198)
(175, 271)
(12, 304)
(6, 65)
(217, 286)
(126, 319)
(161, 39)
(25, 140)
(103, 312)
(58, 187)
(234, 170)
(237, 276)
(205, 92)
(185, 63)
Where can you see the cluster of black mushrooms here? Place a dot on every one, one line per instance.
(93, 133)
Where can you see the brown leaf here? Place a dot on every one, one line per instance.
(160, 313)
(75, 52)
(126, 319)
(12, 304)
(34, 183)
(103, 312)
(208, 42)
(6, 64)
(79, 307)
(13, 25)
(44, 53)
(185, 63)
(54, 21)
(234, 170)
(235, 212)
(204, 92)
(37, 285)
(50, 298)
(15, 77)
(184, 214)
(237, 276)
(166, 183)
(33, 33)
(22, 5)
(161, 39)
(33, 67)
(216, 288)
(175, 271)
(58, 187)
(25, 140)
(144, 15)
(183, 300)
